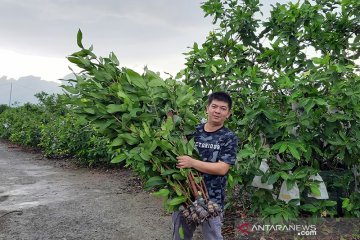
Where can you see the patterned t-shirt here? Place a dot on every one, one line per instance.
(212, 147)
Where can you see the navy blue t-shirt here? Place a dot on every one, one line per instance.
(212, 147)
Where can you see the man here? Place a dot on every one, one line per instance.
(216, 146)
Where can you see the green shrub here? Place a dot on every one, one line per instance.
(295, 83)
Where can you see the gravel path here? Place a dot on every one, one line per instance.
(46, 199)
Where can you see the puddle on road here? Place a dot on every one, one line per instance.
(29, 204)
(38, 173)
(32, 195)
(32, 187)
(25, 185)
(4, 198)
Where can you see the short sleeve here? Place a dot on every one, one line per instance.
(229, 149)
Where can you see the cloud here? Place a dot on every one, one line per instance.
(52, 24)
(140, 32)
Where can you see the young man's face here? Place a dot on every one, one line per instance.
(218, 112)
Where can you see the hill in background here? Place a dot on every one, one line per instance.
(24, 89)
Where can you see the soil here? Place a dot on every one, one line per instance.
(55, 199)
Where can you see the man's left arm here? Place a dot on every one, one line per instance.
(213, 168)
(221, 167)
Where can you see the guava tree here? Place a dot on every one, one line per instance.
(295, 81)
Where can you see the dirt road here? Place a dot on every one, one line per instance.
(39, 199)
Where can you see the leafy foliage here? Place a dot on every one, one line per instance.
(295, 81)
(22, 125)
(51, 127)
(3, 107)
(147, 120)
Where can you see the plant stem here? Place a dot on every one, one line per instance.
(192, 185)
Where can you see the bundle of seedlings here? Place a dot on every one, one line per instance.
(202, 208)
(148, 122)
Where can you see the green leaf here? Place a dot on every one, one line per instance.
(135, 78)
(285, 215)
(134, 111)
(329, 203)
(153, 182)
(320, 102)
(119, 158)
(309, 208)
(146, 129)
(145, 155)
(114, 59)
(300, 173)
(74, 60)
(277, 145)
(317, 60)
(244, 153)
(283, 147)
(309, 104)
(79, 39)
(169, 124)
(129, 139)
(178, 176)
(156, 82)
(287, 166)
(89, 110)
(117, 142)
(213, 69)
(70, 89)
(190, 146)
(294, 152)
(273, 178)
(345, 203)
(230, 180)
(177, 200)
(121, 94)
(284, 175)
(164, 145)
(183, 100)
(162, 193)
(273, 210)
(315, 189)
(181, 233)
(169, 171)
(103, 125)
(285, 82)
(290, 184)
(113, 108)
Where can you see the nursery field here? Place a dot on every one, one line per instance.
(295, 84)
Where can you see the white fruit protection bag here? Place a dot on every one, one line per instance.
(257, 179)
(323, 191)
(287, 195)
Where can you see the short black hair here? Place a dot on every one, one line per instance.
(220, 96)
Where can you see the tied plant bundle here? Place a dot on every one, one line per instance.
(148, 122)
(202, 208)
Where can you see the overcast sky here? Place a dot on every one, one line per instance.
(37, 35)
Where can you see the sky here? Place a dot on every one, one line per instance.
(37, 35)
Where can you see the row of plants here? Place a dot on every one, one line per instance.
(53, 129)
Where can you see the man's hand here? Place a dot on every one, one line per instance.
(185, 162)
